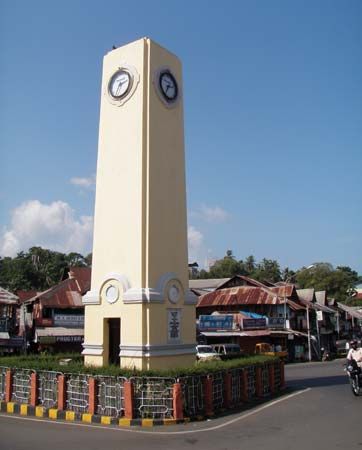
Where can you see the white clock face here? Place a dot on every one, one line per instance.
(168, 86)
(120, 84)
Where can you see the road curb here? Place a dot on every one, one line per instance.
(71, 416)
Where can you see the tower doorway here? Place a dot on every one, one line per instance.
(114, 327)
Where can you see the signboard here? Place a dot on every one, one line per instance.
(174, 325)
(319, 315)
(216, 322)
(249, 324)
(276, 322)
(54, 339)
(69, 320)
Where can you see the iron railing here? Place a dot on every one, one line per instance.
(110, 398)
(153, 397)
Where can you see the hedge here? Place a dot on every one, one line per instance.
(52, 363)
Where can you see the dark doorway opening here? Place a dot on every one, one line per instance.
(114, 340)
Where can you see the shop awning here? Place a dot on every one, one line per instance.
(249, 333)
(352, 312)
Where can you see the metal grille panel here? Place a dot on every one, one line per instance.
(3, 371)
(218, 391)
(21, 385)
(265, 379)
(153, 397)
(236, 386)
(251, 382)
(77, 393)
(193, 394)
(48, 389)
(277, 378)
(111, 396)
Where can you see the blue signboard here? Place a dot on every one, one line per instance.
(216, 322)
(250, 324)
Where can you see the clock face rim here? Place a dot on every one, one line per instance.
(168, 73)
(112, 79)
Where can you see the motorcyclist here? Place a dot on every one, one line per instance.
(355, 353)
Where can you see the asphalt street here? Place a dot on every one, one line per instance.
(318, 412)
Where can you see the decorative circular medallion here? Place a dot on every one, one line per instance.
(112, 293)
(174, 293)
(120, 84)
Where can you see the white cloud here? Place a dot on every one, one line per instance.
(195, 240)
(52, 226)
(83, 182)
(211, 214)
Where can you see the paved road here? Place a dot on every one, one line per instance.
(320, 413)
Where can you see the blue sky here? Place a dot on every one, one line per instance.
(273, 122)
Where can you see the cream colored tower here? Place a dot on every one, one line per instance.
(140, 308)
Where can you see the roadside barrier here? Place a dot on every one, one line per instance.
(143, 401)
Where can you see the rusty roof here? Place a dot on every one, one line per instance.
(67, 293)
(245, 295)
(239, 295)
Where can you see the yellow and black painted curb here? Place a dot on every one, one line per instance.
(71, 416)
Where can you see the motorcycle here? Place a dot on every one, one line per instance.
(355, 377)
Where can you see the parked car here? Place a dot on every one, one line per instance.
(228, 351)
(206, 353)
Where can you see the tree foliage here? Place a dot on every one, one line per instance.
(339, 282)
(38, 269)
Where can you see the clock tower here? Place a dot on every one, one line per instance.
(139, 312)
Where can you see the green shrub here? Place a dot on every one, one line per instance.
(52, 363)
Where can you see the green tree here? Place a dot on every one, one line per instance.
(339, 283)
(226, 267)
(267, 270)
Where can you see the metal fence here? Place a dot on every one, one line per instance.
(193, 395)
(21, 385)
(251, 381)
(265, 379)
(48, 389)
(3, 371)
(110, 398)
(77, 393)
(218, 390)
(236, 386)
(153, 397)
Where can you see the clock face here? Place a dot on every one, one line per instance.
(120, 84)
(168, 86)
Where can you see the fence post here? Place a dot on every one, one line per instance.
(62, 392)
(92, 386)
(178, 410)
(282, 377)
(208, 395)
(258, 382)
(8, 385)
(271, 378)
(227, 390)
(128, 399)
(244, 385)
(34, 389)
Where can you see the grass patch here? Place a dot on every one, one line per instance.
(52, 363)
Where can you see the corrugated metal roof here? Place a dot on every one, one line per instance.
(240, 295)
(321, 297)
(8, 298)
(207, 284)
(67, 293)
(351, 311)
(306, 295)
